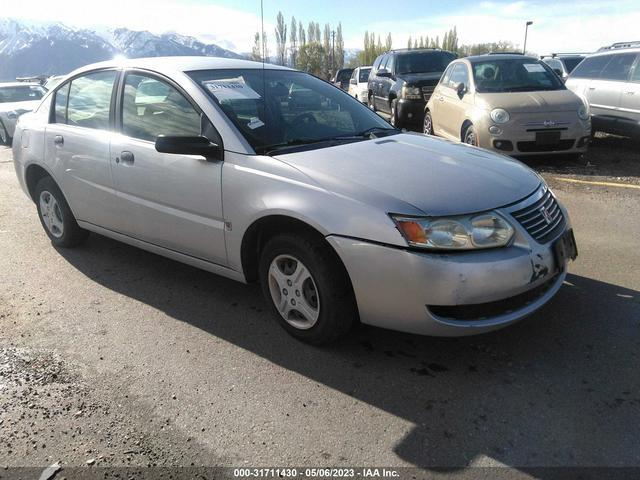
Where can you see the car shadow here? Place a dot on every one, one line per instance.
(557, 389)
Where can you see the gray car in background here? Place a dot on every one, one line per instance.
(339, 216)
(609, 81)
(15, 99)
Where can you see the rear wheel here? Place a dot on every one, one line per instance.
(56, 217)
(470, 137)
(307, 288)
(427, 124)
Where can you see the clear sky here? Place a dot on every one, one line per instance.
(559, 25)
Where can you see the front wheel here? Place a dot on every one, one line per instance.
(5, 139)
(56, 217)
(470, 137)
(372, 105)
(394, 120)
(307, 288)
(427, 125)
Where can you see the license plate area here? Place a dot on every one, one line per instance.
(565, 249)
(547, 138)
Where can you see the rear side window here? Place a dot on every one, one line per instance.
(618, 67)
(635, 76)
(591, 67)
(90, 100)
(151, 107)
(62, 96)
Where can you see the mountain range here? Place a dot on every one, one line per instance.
(28, 49)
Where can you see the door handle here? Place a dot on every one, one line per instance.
(630, 93)
(592, 88)
(441, 99)
(126, 157)
(58, 140)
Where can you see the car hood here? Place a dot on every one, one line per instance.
(436, 176)
(531, 102)
(420, 79)
(26, 106)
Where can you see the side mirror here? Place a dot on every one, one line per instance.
(353, 81)
(461, 89)
(196, 145)
(383, 72)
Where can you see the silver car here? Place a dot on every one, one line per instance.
(609, 81)
(339, 216)
(15, 99)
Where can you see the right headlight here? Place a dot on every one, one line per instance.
(470, 232)
(411, 92)
(499, 115)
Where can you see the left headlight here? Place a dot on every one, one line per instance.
(471, 232)
(411, 92)
(500, 115)
(583, 112)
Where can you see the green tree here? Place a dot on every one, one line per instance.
(256, 50)
(281, 39)
(339, 61)
(310, 58)
(293, 41)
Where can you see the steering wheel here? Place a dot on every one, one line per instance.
(306, 117)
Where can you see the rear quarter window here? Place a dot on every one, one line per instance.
(591, 67)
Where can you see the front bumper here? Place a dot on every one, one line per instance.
(414, 291)
(518, 139)
(410, 111)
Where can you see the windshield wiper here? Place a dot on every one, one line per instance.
(294, 142)
(374, 130)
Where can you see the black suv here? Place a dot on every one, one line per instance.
(402, 81)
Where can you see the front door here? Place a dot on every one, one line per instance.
(452, 108)
(173, 201)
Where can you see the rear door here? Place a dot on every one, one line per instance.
(77, 146)
(173, 201)
(437, 98)
(606, 91)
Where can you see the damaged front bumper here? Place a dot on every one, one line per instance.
(453, 294)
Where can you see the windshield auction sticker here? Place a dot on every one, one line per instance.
(534, 67)
(231, 89)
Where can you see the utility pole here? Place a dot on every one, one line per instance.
(526, 31)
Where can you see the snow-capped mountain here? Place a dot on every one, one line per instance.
(53, 48)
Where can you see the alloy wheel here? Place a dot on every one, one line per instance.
(51, 214)
(294, 292)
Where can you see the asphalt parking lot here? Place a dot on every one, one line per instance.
(111, 356)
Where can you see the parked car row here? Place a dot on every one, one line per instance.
(15, 99)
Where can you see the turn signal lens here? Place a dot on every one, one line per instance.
(412, 231)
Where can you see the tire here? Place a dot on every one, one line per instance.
(394, 114)
(427, 124)
(470, 137)
(5, 139)
(372, 105)
(319, 306)
(56, 217)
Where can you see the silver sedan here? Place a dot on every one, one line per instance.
(272, 175)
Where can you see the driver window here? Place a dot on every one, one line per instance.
(152, 107)
(459, 75)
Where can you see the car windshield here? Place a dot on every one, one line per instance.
(514, 75)
(423, 62)
(21, 93)
(571, 63)
(276, 109)
(363, 75)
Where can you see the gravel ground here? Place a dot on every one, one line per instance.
(114, 357)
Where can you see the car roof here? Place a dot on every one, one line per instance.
(20, 84)
(171, 65)
(500, 56)
(615, 51)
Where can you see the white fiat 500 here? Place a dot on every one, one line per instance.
(272, 175)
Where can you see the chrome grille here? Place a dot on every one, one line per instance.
(543, 219)
(427, 92)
